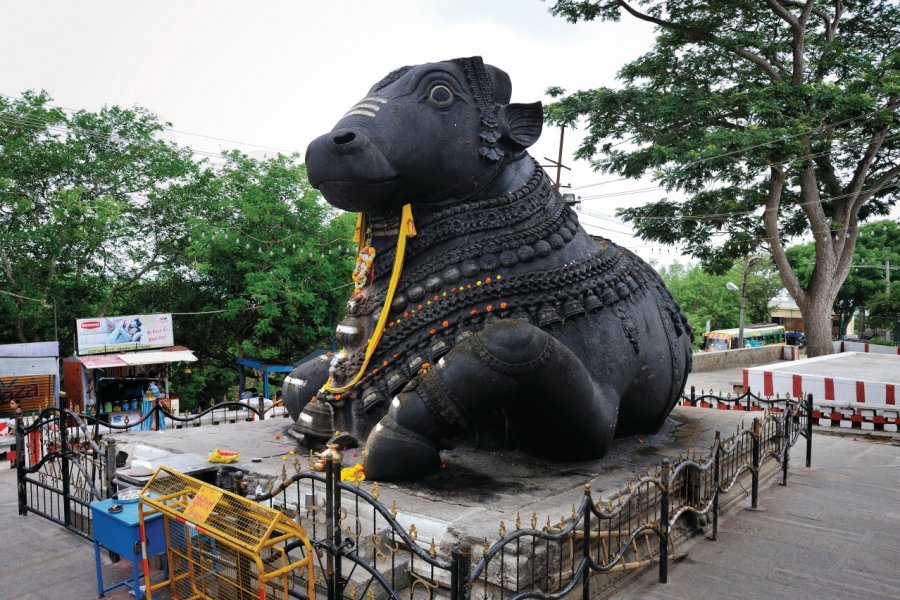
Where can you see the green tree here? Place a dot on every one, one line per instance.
(877, 247)
(87, 209)
(263, 270)
(266, 242)
(704, 297)
(885, 310)
(99, 216)
(774, 119)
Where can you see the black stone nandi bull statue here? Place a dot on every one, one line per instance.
(476, 288)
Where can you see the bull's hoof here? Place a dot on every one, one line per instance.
(394, 453)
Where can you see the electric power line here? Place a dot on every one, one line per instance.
(109, 137)
(760, 145)
(697, 161)
(656, 188)
(73, 111)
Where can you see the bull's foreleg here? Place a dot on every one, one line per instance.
(549, 397)
(302, 384)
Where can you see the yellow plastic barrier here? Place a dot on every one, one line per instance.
(221, 546)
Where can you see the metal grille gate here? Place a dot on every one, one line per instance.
(60, 469)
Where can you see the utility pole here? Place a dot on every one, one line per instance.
(748, 264)
(562, 134)
(887, 276)
(558, 162)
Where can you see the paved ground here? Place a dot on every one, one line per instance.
(834, 531)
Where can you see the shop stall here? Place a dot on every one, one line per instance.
(116, 360)
(29, 376)
(261, 370)
(28, 380)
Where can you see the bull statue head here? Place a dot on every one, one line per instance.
(427, 134)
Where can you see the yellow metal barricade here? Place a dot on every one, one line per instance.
(221, 546)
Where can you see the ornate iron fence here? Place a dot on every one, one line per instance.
(62, 465)
(224, 412)
(749, 401)
(60, 468)
(365, 549)
(629, 529)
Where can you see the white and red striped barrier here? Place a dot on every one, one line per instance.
(866, 347)
(839, 401)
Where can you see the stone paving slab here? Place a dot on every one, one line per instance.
(851, 365)
(469, 497)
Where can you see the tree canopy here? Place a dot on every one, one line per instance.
(877, 249)
(704, 297)
(885, 310)
(99, 216)
(772, 119)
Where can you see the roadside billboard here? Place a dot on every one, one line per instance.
(123, 334)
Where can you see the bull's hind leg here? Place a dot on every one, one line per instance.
(549, 397)
(658, 384)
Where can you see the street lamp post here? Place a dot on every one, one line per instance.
(743, 289)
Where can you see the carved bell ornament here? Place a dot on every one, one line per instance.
(316, 422)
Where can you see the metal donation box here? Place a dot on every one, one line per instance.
(120, 531)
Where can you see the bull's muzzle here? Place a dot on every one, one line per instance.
(350, 170)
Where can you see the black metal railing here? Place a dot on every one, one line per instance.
(366, 549)
(362, 549)
(60, 468)
(224, 412)
(631, 528)
(63, 463)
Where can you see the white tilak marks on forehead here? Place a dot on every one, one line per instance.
(367, 107)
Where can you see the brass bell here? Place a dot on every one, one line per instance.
(350, 332)
(438, 349)
(631, 283)
(396, 382)
(548, 315)
(371, 397)
(609, 296)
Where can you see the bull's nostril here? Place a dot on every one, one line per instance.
(344, 138)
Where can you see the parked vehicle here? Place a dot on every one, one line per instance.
(768, 334)
(795, 338)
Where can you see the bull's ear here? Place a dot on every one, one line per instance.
(522, 123)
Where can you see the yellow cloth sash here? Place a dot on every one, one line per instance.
(407, 230)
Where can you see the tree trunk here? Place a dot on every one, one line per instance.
(817, 325)
(20, 322)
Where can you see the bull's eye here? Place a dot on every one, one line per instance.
(441, 96)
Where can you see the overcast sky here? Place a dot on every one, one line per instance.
(273, 75)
